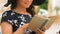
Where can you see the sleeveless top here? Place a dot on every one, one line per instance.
(16, 20)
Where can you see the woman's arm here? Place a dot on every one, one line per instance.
(7, 28)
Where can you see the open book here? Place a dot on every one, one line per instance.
(40, 22)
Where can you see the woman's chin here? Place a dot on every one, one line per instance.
(27, 6)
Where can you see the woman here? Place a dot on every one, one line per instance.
(16, 20)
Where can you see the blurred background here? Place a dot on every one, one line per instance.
(48, 9)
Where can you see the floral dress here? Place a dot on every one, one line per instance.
(16, 20)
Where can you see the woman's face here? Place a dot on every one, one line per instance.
(24, 3)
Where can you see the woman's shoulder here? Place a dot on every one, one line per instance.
(6, 17)
(7, 12)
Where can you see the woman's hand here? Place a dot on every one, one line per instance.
(22, 28)
(38, 31)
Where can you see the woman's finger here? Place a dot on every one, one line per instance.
(24, 26)
(38, 31)
(44, 29)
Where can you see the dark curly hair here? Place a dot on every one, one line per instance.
(14, 4)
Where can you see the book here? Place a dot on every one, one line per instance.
(39, 22)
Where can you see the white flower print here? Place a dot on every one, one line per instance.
(16, 25)
(22, 15)
(10, 21)
(30, 16)
(22, 23)
(12, 13)
(19, 17)
(29, 30)
(23, 18)
(5, 14)
(15, 21)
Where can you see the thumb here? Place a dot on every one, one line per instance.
(24, 26)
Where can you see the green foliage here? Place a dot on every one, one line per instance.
(44, 6)
(57, 8)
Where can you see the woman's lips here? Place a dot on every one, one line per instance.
(27, 3)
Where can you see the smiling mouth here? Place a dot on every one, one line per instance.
(27, 3)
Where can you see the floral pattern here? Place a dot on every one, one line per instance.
(16, 20)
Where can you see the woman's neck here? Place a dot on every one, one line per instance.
(20, 10)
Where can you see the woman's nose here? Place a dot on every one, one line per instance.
(29, 0)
